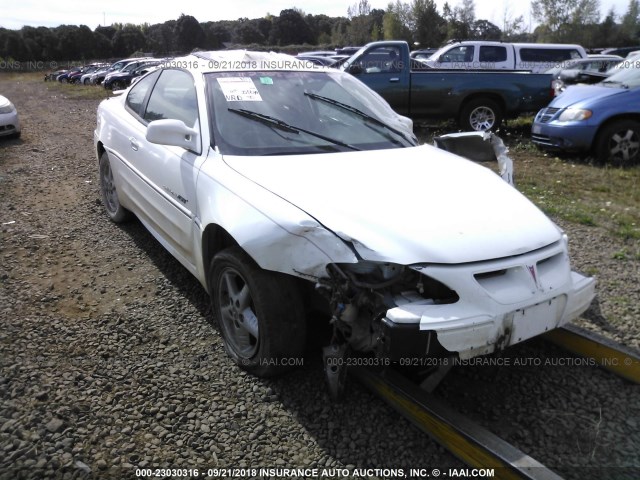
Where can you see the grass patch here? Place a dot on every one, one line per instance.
(74, 91)
(64, 90)
(577, 191)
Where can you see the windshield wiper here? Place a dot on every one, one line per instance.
(276, 122)
(358, 112)
(616, 82)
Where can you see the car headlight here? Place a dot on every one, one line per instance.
(7, 108)
(370, 274)
(574, 115)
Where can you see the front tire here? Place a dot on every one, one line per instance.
(260, 314)
(116, 212)
(619, 143)
(480, 115)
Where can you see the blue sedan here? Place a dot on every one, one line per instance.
(602, 119)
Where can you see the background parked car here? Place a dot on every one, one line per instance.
(9, 122)
(622, 51)
(585, 70)
(480, 54)
(122, 79)
(76, 77)
(64, 77)
(98, 77)
(603, 119)
(126, 69)
(320, 60)
(423, 53)
(51, 76)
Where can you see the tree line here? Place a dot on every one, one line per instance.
(419, 22)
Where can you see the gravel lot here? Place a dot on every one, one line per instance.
(109, 361)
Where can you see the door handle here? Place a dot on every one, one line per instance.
(134, 144)
(394, 79)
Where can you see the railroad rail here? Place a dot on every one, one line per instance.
(472, 443)
(609, 355)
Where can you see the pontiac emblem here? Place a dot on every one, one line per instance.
(534, 274)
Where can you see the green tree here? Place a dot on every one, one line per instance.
(160, 38)
(426, 24)
(321, 27)
(396, 22)
(564, 20)
(217, 34)
(630, 25)
(360, 9)
(188, 33)
(459, 20)
(609, 31)
(12, 46)
(339, 32)
(485, 30)
(127, 40)
(290, 28)
(247, 32)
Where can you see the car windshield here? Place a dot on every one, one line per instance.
(628, 77)
(281, 113)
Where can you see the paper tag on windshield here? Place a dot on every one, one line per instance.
(239, 89)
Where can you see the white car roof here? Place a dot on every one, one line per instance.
(243, 60)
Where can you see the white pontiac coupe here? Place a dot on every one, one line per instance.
(287, 188)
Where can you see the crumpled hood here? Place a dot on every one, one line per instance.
(578, 93)
(408, 205)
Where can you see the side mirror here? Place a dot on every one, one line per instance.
(173, 132)
(479, 147)
(354, 69)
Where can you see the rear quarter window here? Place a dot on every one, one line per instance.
(492, 53)
(548, 54)
(139, 92)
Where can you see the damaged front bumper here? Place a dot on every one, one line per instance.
(501, 303)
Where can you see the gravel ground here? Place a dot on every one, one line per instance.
(109, 362)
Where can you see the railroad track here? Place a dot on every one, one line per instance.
(474, 445)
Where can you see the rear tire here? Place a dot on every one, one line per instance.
(480, 115)
(619, 143)
(260, 314)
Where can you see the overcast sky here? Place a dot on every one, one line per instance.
(16, 14)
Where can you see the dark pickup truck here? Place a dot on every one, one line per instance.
(476, 99)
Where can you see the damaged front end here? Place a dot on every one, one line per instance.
(360, 295)
(406, 314)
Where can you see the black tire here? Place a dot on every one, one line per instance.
(260, 314)
(117, 85)
(619, 143)
(116, 212)
(481, 114)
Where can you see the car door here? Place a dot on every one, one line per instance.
(159, 179)
(382, 68)
(171, 171)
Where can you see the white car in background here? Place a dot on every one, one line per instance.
(287, 189)
(9, 122)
